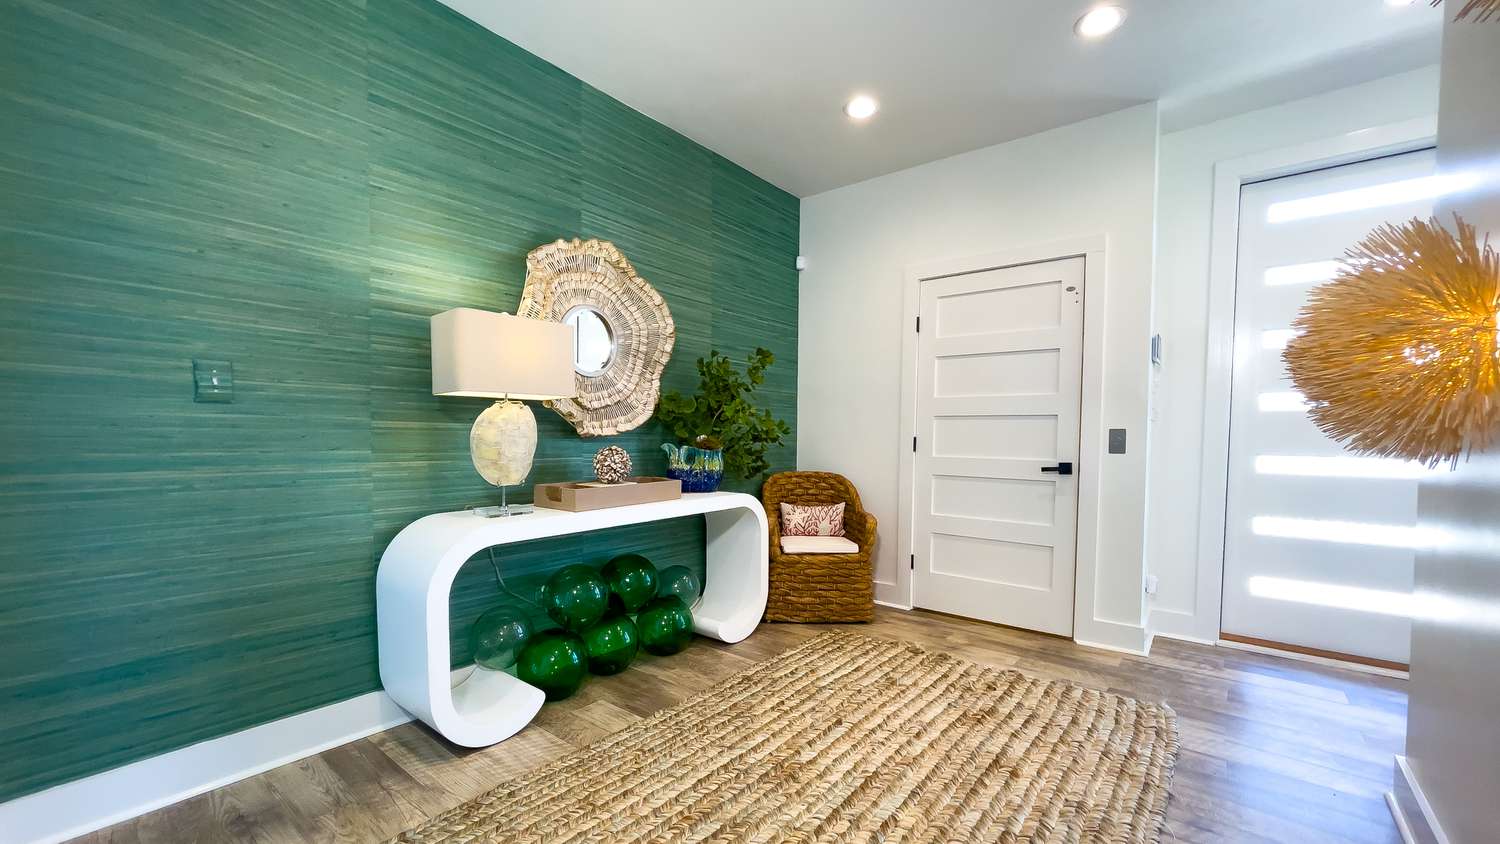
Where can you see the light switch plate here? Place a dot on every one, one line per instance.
(1116, 440)
(213, 380)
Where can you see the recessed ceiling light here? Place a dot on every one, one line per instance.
(1399, 2)
(861, 107)
(1100, 21)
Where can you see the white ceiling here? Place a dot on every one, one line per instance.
(763, 82)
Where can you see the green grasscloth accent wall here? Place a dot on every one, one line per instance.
(296, 186)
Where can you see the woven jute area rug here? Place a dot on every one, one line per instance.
(849, 738)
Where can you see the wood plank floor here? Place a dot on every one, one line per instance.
(1272, 750)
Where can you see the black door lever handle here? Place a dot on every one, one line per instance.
(1061, 468)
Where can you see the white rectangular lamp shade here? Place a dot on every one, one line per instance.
(490, 355)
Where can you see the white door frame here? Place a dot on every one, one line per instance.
(1091, 434)
(1229, 176)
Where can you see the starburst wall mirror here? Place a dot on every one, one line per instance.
(623, 332)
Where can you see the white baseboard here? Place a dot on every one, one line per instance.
(1183, 637)
(1416, 827)
(94, 802)
(1402, 827)
(1113, 636)
(891, 595)
(1180, 625)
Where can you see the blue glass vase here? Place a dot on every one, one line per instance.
(699, 469)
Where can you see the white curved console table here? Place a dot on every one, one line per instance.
(417, 571)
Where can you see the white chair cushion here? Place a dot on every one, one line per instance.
(817, 545)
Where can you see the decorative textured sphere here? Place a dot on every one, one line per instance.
(497, 636)
(612, 465)
(503, 442)
(666, 625)
(1397, 356)
(631, 579)
(611, 644)
(575, 597)
(679, 581)
(553, 661)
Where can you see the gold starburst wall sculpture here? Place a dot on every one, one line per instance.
(1397, 355)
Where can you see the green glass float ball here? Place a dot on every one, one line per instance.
(611, 644)
(632, 578)
(496, 637)
(553, 661)
(680, 581)
(575, 597)
(666, 625)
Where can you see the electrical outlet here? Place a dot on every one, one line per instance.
(213, 381)
(1151, 583)
(1116, 440)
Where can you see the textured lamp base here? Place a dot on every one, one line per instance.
(502, 444)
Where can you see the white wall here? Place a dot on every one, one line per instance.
(1092, 178)
(1452, 736)
(1185, 201)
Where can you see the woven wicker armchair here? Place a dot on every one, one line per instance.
(820, 587)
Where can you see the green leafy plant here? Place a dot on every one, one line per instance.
(724, 414)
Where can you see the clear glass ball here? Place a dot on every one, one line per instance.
(497, 636)
(679, 581)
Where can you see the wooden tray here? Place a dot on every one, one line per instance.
(577, 497)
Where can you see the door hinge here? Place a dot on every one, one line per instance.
(913, 443)
(914, 562)
(919, 325)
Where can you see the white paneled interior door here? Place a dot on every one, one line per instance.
(1318, 543)
(1000, 359)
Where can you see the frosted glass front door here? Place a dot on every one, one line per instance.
(1318, 542)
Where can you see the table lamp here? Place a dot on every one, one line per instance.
(511, 359)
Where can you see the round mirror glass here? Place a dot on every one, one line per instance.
(593, 340)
